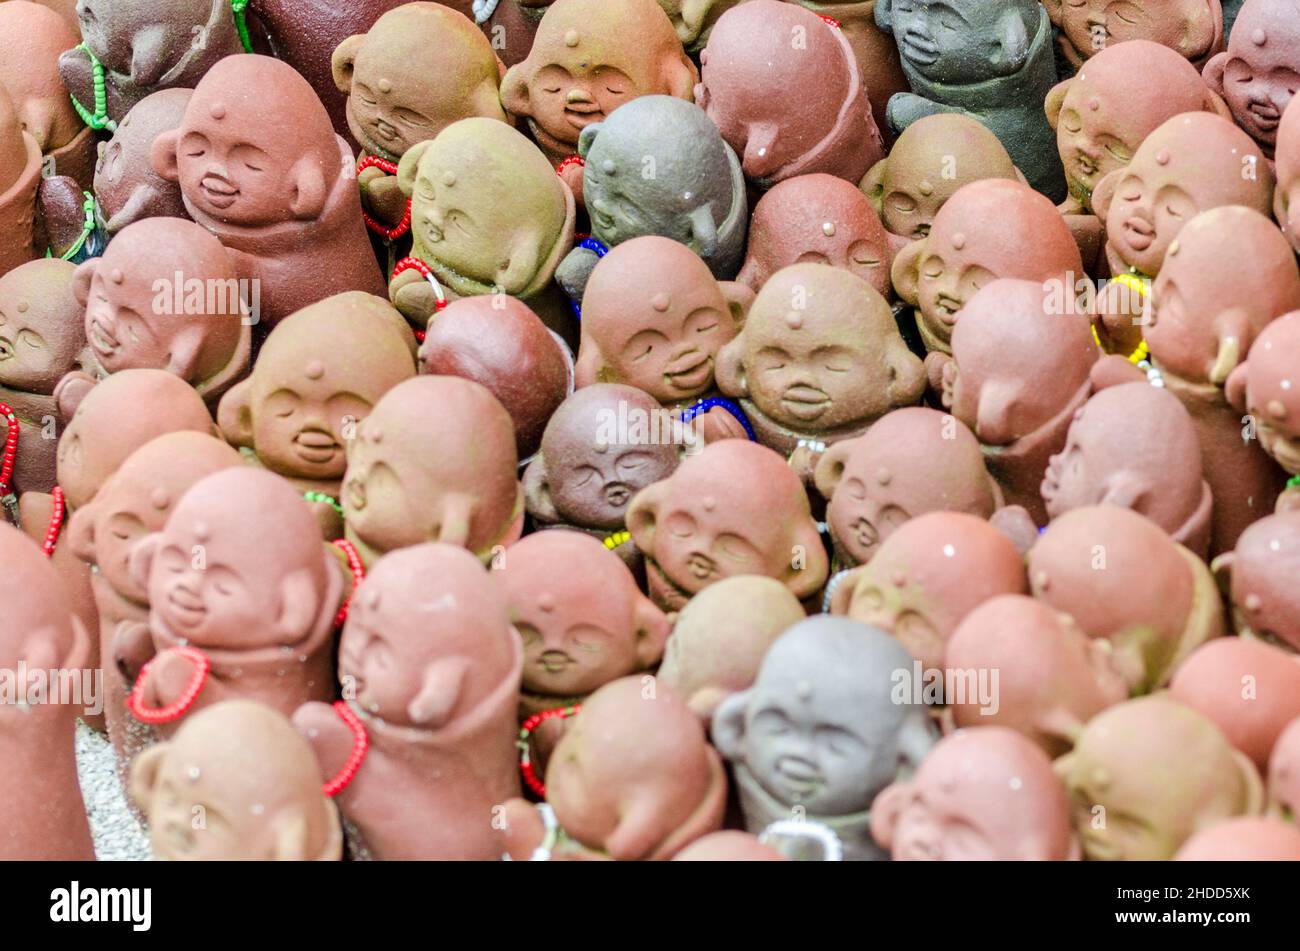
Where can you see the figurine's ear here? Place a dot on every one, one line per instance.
(652, 630)
(162, 155)
(1252, 785)
(144, 774)
(997, 403)
(440, 691)
(408, 167)
(728, 726)
(1104, 193)
(1200, 32)
(1055, 100)
(1213, 72)
(873, 184)
(289, 830)
(81, 532)
(589, 367)
(1216, 104)
(906, 272)
(842, 593)
(299, 605)
(81, 279)
(454, 520)
(1232, 326)
(680, 77)
(885, 15)
(739, 298)
(514, 90)
(760, 142)
(343, 61)
(1125, 490)
(587, 136)
(703, 229)
(907, 377)
(184, 355)
(1234, 388)
(140, 562)
(309, 189)
(830, 468)
(885, 810)
(1013, 38)
(150, 54)
(729, 370)
(806, 581)
(916, 737)
(643, 514)
(537, 492)
(235, 414)
(637, 832)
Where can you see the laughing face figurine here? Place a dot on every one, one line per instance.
(823, 730)
(981, 794)
(261, 168)
(819, 359)
(735, 508)
(1122, 579)
(416, 476)
(1262, 387)
(914, 460)
(1191, 28)
(426, 731)
(758, 53)
(127, 188)
(275, 811)
(1265, 603)
(1258, 74)
(926, 577)
(584, 64)
(1134, 446)
(818, 219)
(970, 245)
(1120, 814)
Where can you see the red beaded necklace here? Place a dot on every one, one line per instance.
(358, 570)
(360, 746)
(172, 712)
(60, 509)
(440, 297)
(525, 754)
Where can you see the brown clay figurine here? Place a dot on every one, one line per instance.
(927, 577)
(756, 85)
(912, 461)
(20, 179)
(1191, 28)
(734, 508)
(434, 461)
(237, 782)
(260, 167)
(1262, 387)
(1259, 74)
(421, 751)
(1261, 569)
(127, 188)
(43, 813)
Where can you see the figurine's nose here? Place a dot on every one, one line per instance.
(578, 95)
(1097, 18)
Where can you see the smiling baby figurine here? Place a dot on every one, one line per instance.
(983, 794)
(590, 467)
(420, 68)
(1120, 814)
(260, 166)
(1123, 579)
(1263, 388)
(913, 461)
(1191, 28)
(243, 598)
(735, 508)
(991, 61)
(927, 577)
(654, 317)
(588, 58)
(760, 52)
(237, 782)
(422, 747)
(819, 360)
(488, 215)
(971, 244)
(418, 475)
(1259, 73)
(1229, 274)
(823, 730)
(818, 219)
(1261, 572)
(658, 166)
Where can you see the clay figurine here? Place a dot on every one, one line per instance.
(236, 782)
(655, 318)
(421, 750)
(20, 179)
(818, 360)
(434, 461)
(972, 244)
(734, 508)
(1124, 580)
(1247, 839)
(985, 794)
(989, 61)
(1284, 774)
(1134, 446)
(927, 577)
(319, 373)
(1191, 28)
(818, 219)
(912, 461)
(1258, 74)
(1052, 677)
(1120, 814)
(1262, 387)
(243, 599)
(823, 730)
(931, 161)
(720, 638)
(658, 166)
(756, 85)
(1286, 197)
(127, 188)
(1261, 575)
(260, 167)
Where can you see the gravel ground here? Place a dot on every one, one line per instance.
(116, 833)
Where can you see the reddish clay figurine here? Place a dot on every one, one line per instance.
(1191, 28)
(20, 178)
(421, 751)
(1248, 839)
(735, 508)
(1258, 74)
(913, 461)
(236, 782)
(927, 577)
(43, 814)
(260, 167)
(1263, 388)
(127, 188)
(985, 794)
(755, 84)
(1265, 599)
